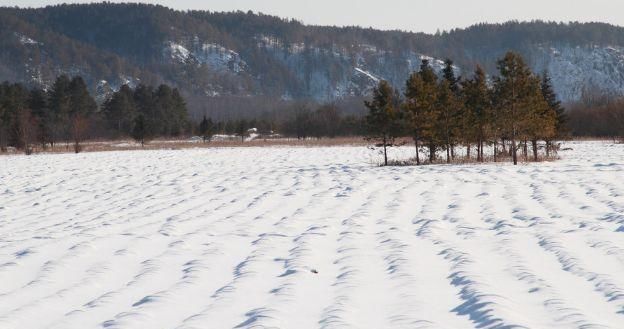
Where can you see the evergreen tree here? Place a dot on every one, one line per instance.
(512, 88)
(448, 125)
(448, 74)
(242, 129)
(60, 106)
(206, 129)
(38, 103)
(477, 115)
(555, 106)
(416, 103)
(429, 109)
(382, 116)
(120, 110)
(450, 108)
(82, 106)
(140, 131)
(542, 119)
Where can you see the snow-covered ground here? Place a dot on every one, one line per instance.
(310, 238)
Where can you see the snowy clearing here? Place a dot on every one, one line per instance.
(310, 238)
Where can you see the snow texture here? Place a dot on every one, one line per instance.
(579, 70)
(310, 238)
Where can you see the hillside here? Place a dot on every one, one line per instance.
(221, 59)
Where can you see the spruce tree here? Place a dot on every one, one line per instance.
(542, 120)
(82, 106)
(450, 108)
(512, 87)
(429, 109)
(413, 109)
(561, 119)
(206, 129)
(448, 125)
(477, 118)
(241, 129)
(382, 116)
(60, 106)
(140, 131)
(120, 110)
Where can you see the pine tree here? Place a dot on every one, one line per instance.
(60, 106)
(450, 108)
(413, 109)
(555, 106)
(382, 116)
(477, 115)
(140, 131)
(82, 106)
(38, 103)
(448, 74)
(512, 88)
(542, 120)
(146, 105)
(120, 110)
(448, 125)
(429, 109)
(206, 129)
(241, 129)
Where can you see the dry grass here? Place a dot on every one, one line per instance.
(129, 145)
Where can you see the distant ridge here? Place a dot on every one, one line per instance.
(242, 55)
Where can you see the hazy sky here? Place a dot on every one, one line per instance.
(413, 15)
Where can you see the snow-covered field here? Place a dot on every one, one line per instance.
(310, 238)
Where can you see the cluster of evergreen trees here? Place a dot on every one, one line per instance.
(510, 111)
(29, 116)
(67, 112)
(145, 112)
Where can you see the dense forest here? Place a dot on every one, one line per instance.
(68, 113)
(36, 119)
(239, 65)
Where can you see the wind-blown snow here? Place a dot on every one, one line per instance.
(310, 238)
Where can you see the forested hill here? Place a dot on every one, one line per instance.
(213, 57)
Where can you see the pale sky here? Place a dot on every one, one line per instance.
(411, 15)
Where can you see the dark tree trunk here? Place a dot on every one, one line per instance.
(385, 144)
(495, 149)
(548, 143)
(525, 150)
(534, 142)
(417, 152)
(431, 152)
(514, 151)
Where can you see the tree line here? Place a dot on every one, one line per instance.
(509, 112)
(598, 116)
(67, 112)
(301, 120)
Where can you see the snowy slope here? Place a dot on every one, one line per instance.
(579, 70)
(231, 238)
